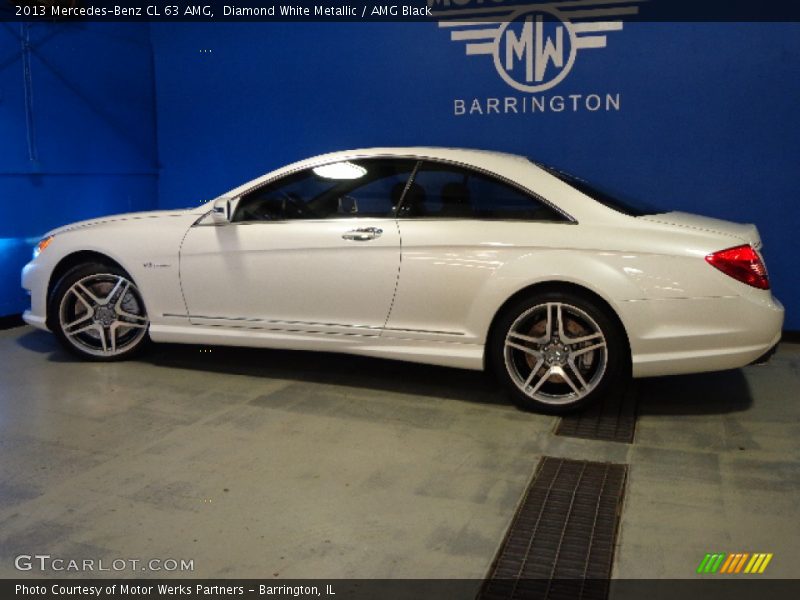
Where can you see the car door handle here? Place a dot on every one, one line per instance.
(363, 235)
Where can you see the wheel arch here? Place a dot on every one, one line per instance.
(65, 265)
(555, 286)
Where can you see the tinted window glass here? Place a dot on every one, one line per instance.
(357, 188)
(446, 191)
(627, 206)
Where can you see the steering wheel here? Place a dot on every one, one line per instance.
(293, 206)
(277, 207)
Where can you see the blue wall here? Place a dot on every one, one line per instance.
(707, 121)
(77, 133)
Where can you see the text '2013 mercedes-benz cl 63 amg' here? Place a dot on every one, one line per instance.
(461, 258)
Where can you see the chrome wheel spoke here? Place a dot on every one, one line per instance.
(112, 331)
(131, 325)
(69, 327)
(548, 332)
(545, 376)
(591, 348)
(577, 373)
(583, 339)
(85, 295)
(527, 338)
(115, 293)
(560, 319)
(134, 319)
(561, 372)
(533, 372)
(84, 329)
(526, 349)
(103, 338)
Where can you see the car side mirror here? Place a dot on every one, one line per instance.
(221, 213)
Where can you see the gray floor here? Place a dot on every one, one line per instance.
(290, 465)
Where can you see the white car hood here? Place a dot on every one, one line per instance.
(746, 232)
(155, 214)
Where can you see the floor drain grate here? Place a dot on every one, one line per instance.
(561, 540)
(612, 420)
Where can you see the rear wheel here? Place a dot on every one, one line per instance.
(558, 351)
(98, 313)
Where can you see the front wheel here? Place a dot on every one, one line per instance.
(99, 313)
(558, 351)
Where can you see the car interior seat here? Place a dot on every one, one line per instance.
(455, 200)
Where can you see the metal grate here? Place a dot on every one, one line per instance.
(561, 540)
(612, 420)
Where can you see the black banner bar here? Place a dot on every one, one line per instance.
(744, 587)
(174, 11)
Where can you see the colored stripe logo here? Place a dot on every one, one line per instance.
(731, 564)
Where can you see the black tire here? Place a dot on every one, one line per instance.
(116, 330)
(561, 365)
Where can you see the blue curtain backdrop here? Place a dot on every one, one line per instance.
(693, 116)
(707, 118)
(77, 133)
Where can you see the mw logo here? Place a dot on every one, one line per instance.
(534, 47)
(535, 51)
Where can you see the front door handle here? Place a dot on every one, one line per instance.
(363, 235)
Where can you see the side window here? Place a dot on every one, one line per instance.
(447, 191)
(347, 189)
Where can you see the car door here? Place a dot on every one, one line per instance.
(460, 228)
(317, 251)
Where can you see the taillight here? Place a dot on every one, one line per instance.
(743, 264)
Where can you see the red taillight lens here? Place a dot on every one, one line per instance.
(743, 264)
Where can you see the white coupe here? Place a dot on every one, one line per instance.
(462, 258)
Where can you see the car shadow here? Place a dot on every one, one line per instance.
(699, 394)
(309, 367)
(334, 369)
(720, 392)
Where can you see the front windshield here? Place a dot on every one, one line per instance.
(627, 206)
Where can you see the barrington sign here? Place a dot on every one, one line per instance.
(533, 48)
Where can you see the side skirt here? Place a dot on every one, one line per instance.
(446, 354)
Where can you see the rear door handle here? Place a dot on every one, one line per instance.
(363, 235)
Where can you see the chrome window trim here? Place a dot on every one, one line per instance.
(389, 218)
(570, 220)
(256, 187)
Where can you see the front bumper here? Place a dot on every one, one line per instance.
(35, 320)
(35, 280)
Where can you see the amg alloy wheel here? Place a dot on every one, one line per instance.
(99, 313)
(557, 352)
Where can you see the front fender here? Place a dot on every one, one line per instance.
(148, 249)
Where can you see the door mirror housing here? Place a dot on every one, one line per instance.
(221, 213)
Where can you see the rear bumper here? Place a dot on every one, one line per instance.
(765, 358)
(695, 335)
